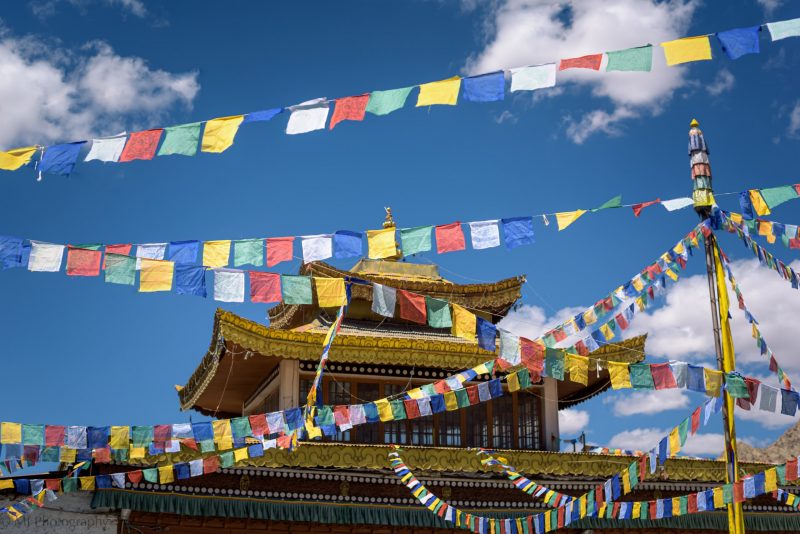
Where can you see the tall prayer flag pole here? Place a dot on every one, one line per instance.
(703, 197)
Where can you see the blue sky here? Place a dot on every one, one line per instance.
(78, 351)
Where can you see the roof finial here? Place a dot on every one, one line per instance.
(389, 221)
(702, 192)
(694, 123)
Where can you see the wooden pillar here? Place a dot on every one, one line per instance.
(289, 387)
(550, 415)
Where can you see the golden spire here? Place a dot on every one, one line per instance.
(388, 222)
(694, 123)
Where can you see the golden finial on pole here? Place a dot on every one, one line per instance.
(388, 222)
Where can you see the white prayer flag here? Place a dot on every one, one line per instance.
(485, 234)
(317, 247)
(384, 299)
(182, 430)
(151, 251)
(119, 479)
(677, 203)
(509, 347)
(196, 468)
(531, 78)
(308, 116)
(45, 257)
(229, 285)
(275, 422)
(107, 148)
(784, 28)
(357, 415)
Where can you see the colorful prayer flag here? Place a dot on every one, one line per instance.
(775, 196)
(347, 244)
(383, 300)
(248, 251)
(181, 140)
(485, 87)
(414, 240)
(190, 280)
(449, 238)
(381, 243)
(296, 289)
(438, 312)
(532, 78)
(784, 28)
(486, 333)
(677, 203)
(351, 108)
(15, 158)
(759, 204)
(264, 115)
(330, 292)
(216, 253)
(615, 202)
(687, 49)
(45, 257)
(637, 208)
(83, 260)
(107, 148)
(464, 323)
(741, 41)
(183, 252)
(385, 102)
(485, 234)
(308, 116)
(151, 251)
(566, 218)
(591, 61)
(620, 375)
(156, 275)
(412, 306)
(279, 249)
(518, 231)
(228, 285)
(141, 145)
(442, 92)
(60, 159)
(120, 269)
(631, 59)
(578, 368)
(219, 133)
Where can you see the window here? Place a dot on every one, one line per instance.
(529, 420)
(395, 431)
(450, 429)
(339, 393)
(422, 431)
(305, 387)
(502, 422)
(477, 426)
(368, 433)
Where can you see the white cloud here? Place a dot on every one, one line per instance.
(67, 96)
(648, 402)
(644, 439)
(768, 419)
(47, 8)
(770, 6)
(526, 32)
(704, 445)
(723, 82)
(506, 116)
(794, 120)
(572, 422)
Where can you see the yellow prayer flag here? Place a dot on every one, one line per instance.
(637, 510)
(68, 456)
(464, 323)
(626, 481)
(450, 401)
(770, 238)
(381, 243)
(713, 382)
(759, 204)
(620, 375)
(679, 248)
(219, 133)
(223, 435)
(764, 228)
(770, 480)
(582, 503)
(607, 332)
(416, 393)
(137, 453)
(166, 475)
(676, 506)
(441, 92)
(672, 274)
(120, 436)
(589, 317)
(10, 433)
(87, 483)
(578, 367)
(240, 454)
(687, 49)
(384, 410)
(736, 217)
(330, 292)
(216, 253)
(637, 283)
(6, 483)
(313, 431)
(156, 275)
(565, 218)
(719, 498)
(513, 381)
(16, 158)
(674, 442)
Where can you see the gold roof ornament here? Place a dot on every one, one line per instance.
(694, 123)
(388, 222)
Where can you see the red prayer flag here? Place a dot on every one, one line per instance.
(351, 108)
(621, 321)
(738, 492)
(210, 464)
(591, 61)
(141, 145)
(637, 208)
(53, 435)
(473, 395)
(412, 408)
(791, 469)
(102, 455)
(653, 509)
(279, 249)
(162, 434)
(124, 250)
(258, 424)
(580, 346)
(83, 262)
(794, 242)
(695, 421)
(561, 511)
(341, 415)
(189, 442)
(662, 376)
(53, 484)
(449, 238)
(135, 476)
(440, 387)
(531, 354)
(265, 287)
(559, 334)
(412, 307)
(692, 505)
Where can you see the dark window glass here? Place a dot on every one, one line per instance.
(529, 420)
(477, 426)
(450, 429)
(339, 393)
(502, 422)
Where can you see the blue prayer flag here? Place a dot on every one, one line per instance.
(695, 379)
(203, 431)
(190, 280)
(758, 481)
(183, 252)
(746, 205)
(97, 437)
(83, 455)
(495, 388)
(10, 251)
(740, 41)
(294, 418)
(789, 402)
(256, 450)
(518, 231)
(102, 481)
(22, 486)
(484, 88)
(487, 333)
(346, 244)
(182, 471)
(667, 507)
(371, 412)
(663, 445)
(437, 403)
(263, 115)
(60, 159)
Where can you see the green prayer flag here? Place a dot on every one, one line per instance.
(68, 485)
(119, 455)
(524, 377)
(683, 431)
(240, 426)
(780, 470)
(554, 363)
(398, 409)
(615, 202)
(438, 313)
(296, 289)
(385, 102)
(89, 246)
(226, 459)
(182, 140)
(324, 416)
(684, 499)
(631, 59)
(462, 397)
(248, 251)
(150, 475)
(550, 340)
(775, 196)
(727, 493)
(633, 474)
(120, 269)
(141, 436)
(33, 435)
(49, 454)
(736, 386)
(207, 445)
(641, 377)
(415, 240)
